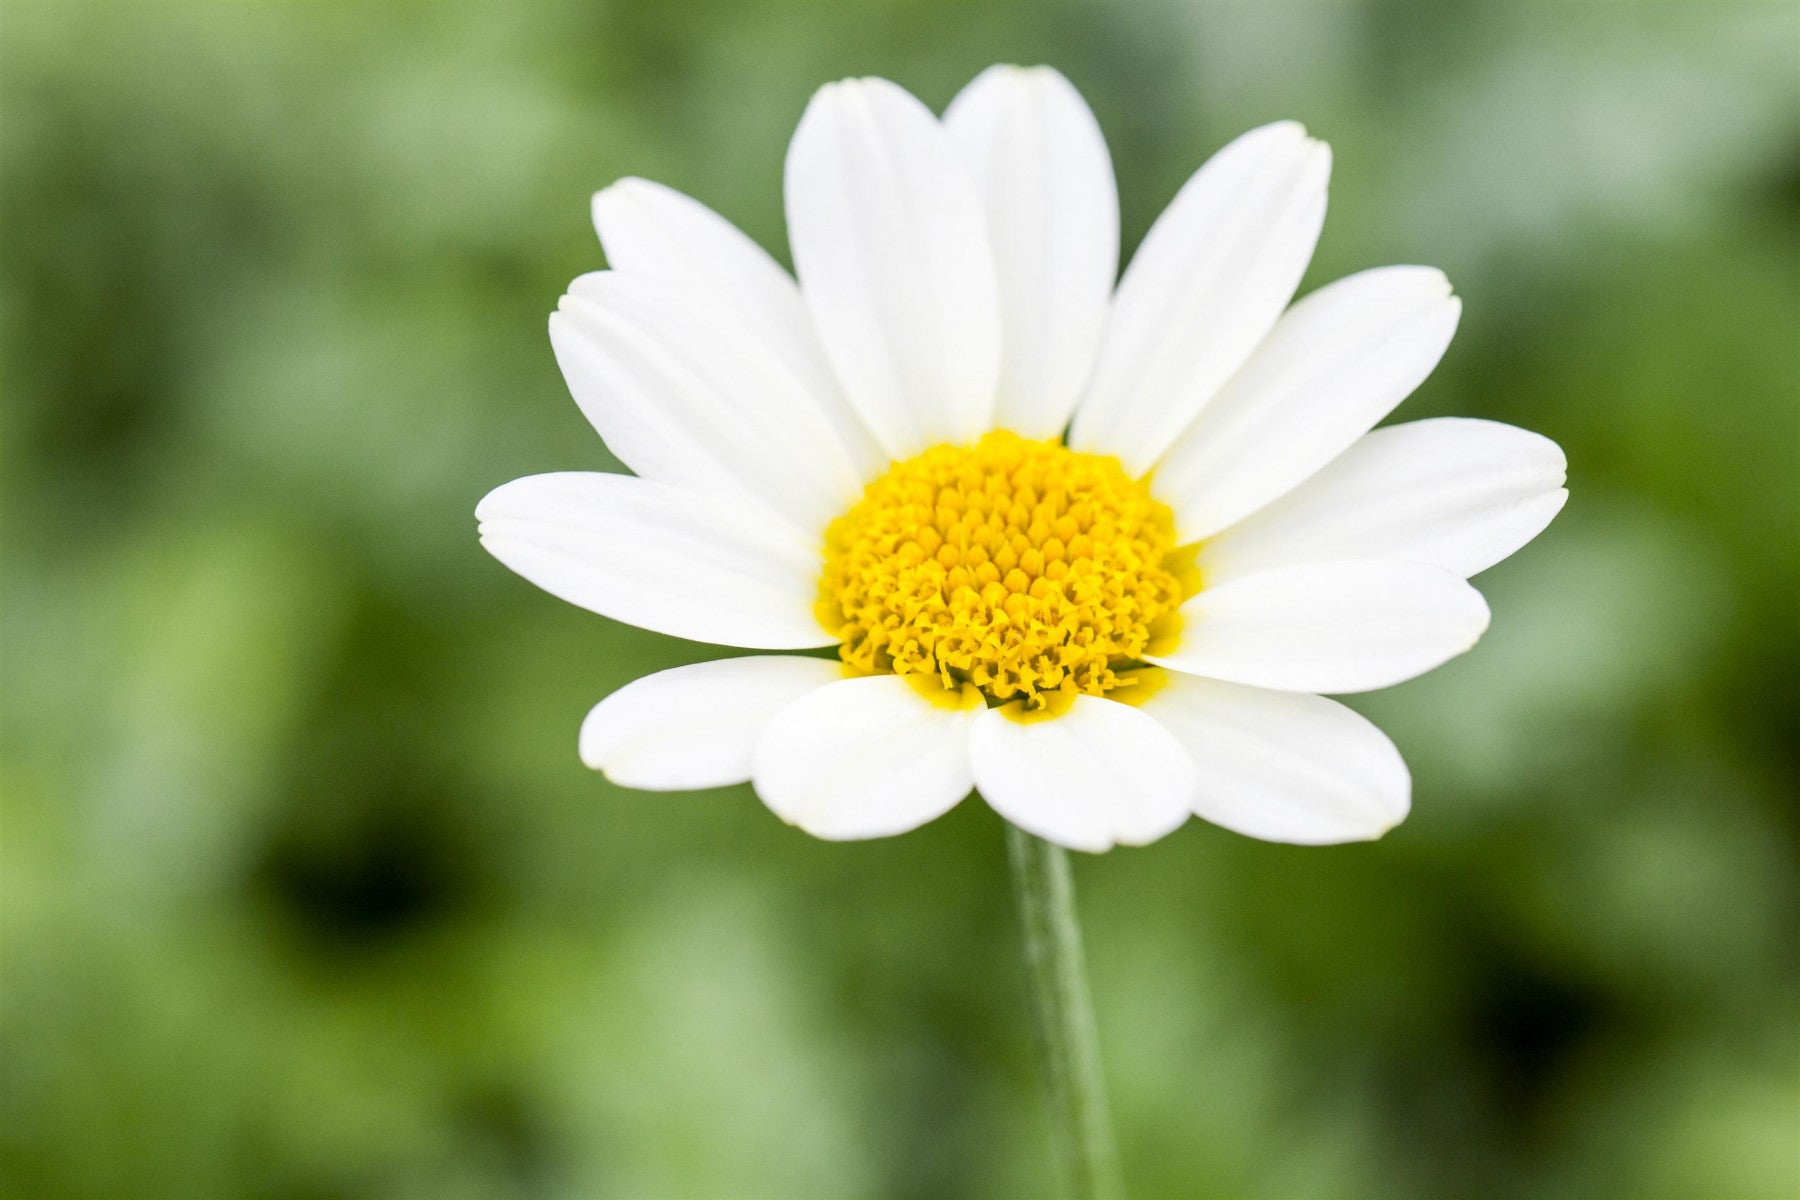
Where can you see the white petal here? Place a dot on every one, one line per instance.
(1053, 215)
(658, 557)
(863, 758)
(648, 229)
(1211, 277)
(1100, 774)
(695, 726)
(1335, 364)
(1328, 627)
(1451, 492)
(892, 251)
(1284, 766)
(686, 398)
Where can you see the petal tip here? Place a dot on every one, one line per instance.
(1381, 831)
(1150, 837)
(606, 198)
(1479, 627)
(1286, 137)
(863, 84)
(487, 508)
(1435, 280)
(1035, 74)
(1425, 282)
(624, 185)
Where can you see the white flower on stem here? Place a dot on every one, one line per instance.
(1094, 551)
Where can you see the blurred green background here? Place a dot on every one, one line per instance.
(305, 893)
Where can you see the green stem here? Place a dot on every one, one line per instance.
(1068, 1045)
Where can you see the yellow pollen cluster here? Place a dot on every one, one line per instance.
(1021, 567)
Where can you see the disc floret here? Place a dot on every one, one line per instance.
(1022, 567)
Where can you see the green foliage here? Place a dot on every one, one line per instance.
(304, 893)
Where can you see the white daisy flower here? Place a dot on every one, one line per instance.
(1092, 551)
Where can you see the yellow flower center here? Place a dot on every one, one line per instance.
(1023, 568)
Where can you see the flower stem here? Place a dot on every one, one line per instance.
(1068, 1045)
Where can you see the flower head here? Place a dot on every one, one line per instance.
(1094, 551)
